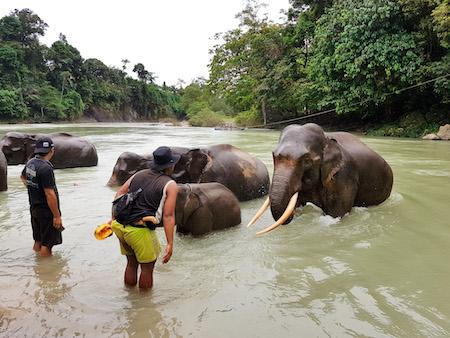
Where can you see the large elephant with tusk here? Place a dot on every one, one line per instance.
(244, 174)
(335, 171)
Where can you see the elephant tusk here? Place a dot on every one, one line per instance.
(260, 212)
(287, 213)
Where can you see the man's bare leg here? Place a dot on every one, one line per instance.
(45, 251)
(37, 246)
(146, 277)
(130, 277)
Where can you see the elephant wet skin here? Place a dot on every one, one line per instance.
(335, 171)
(3, 172)
(244, 174)
(205, 207)
(70, 151)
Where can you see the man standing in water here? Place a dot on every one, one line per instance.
(43, 196)
(138, 241)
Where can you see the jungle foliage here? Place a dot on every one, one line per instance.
(356, 56)
(40, 83)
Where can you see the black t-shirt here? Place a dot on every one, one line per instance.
(150, 202)
(39, 175)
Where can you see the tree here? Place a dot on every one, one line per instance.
(143, 74)
(124, 64)
(22, 26)
(11, 105)
(363, 52)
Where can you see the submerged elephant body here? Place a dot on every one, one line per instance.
(205, 207)
(244, 174)
(70, 151)
(3, 172)
(335, 171)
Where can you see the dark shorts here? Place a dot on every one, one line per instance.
(43, 229)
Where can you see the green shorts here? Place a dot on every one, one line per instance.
(140, 242)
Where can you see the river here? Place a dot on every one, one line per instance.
(378, 272)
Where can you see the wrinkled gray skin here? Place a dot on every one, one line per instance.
(334, 171)
(3, 172)
(70, 151)
(205, 207)
(242, 173)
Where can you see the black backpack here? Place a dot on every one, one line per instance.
(122, 206)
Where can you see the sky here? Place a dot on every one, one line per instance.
(172, 38)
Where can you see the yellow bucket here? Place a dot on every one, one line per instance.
(103, 231)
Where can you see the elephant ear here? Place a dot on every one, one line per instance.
(192, 204)
(29, 144)
(331, 162)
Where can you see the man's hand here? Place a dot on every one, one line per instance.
(167, 253)
(57, 223)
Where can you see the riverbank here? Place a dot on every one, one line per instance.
(413, 125)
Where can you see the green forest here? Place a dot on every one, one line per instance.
(381, 66)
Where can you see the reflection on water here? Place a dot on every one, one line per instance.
(377, 272)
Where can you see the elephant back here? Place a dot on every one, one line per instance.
(73, 151)
(244, 174)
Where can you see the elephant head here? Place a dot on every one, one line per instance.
(187, 203)
(191, 166)
(305, 160)
(17, 147)
(205, 207)
(126, 166)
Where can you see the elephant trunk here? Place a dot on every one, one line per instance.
(282, 189)
(112, 181)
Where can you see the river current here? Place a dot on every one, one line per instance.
(378, 272)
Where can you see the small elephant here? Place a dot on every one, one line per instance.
(205, 207)
(3, 172)
(335, 171)
(244, 174)
(70, 151)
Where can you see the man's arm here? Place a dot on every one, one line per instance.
(169, 218)
(124, 188)
(22, 176)
(52, 202)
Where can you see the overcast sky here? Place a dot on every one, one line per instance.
(170, 37)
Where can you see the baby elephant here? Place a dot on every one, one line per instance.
(204, 207)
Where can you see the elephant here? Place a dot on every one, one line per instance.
(244, 174)
(70, 151)
(3, 172)
(335, 171)
(130, 163)
(205, 207)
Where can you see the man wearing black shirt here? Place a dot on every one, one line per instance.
(43, 196)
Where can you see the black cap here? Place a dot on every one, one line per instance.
(43, 145)
(163, 158)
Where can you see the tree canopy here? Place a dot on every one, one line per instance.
(56, 83)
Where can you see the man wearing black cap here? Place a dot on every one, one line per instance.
(43, 196)
(138, 241)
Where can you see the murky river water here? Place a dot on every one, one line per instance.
(379, 272)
